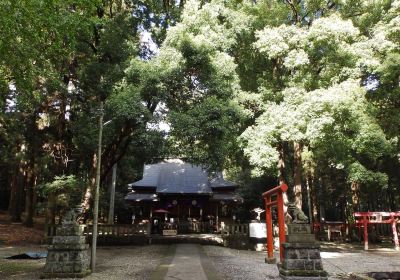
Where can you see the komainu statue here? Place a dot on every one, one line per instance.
(298, 216)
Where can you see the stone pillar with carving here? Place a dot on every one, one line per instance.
(302, 259)
(68, 255)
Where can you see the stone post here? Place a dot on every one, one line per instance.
(302, 259)
(68, 255)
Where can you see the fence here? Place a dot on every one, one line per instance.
(112, 234)
(330, 230)
(231, 229)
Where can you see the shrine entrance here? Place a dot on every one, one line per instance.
(363, 219)
(274, 198)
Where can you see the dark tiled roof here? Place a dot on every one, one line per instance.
(220, 182)
(227, 197)
(179, 177)
(141, 197)
(150, 176)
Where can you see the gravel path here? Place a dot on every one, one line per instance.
(139, 262)
(129, 262)
(234, 264)
(339, 262)
(351, 261)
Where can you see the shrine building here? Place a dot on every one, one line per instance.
(183, 196)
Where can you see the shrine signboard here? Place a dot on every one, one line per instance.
(170, 232)
(258, 230)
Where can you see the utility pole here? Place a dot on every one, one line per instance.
(112, 194)
(96, 193)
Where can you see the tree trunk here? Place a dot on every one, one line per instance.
(15, 204)
(30, 174)
(110, 219)
(282, 180)
(297, 175)
(281, 164)
(314, 203)
(355, 196)
(51, 209)
(309, 183)
(89, 189)
(321, 195)
(30, 189)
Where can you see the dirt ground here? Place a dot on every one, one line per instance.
(128, 262)
(17, 234)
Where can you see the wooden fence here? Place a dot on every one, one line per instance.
(112, 234)
(232, 229)
(128, 233)
(107, 230)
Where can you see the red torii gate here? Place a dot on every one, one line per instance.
(269, 203)
(365, 218)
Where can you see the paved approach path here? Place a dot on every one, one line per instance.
(185, 261)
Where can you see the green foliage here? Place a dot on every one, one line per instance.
(67, 189)
(205, 132)
(238, 82)
(358, 173)
(61, 184)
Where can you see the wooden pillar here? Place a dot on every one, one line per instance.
(270, 238)
(217, 218)
(281, 224)
(365, 223)
(395, 236)
(278, 191)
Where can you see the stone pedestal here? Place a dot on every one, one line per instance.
(302, 259)
(68, 255)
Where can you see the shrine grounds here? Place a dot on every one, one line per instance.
(341, 261)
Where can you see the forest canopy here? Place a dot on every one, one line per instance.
(301, 91)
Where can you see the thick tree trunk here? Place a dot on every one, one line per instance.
(51, 209)
(297, 189)
(30, 173)
(15, 204)
(30, 189)
(282, 180)
(309, 183)
(89, 189)
(29, 207)
(50, 218)
(314, 202)
(281, 164)
(110, 219)
(321, 196)
(355, 196)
